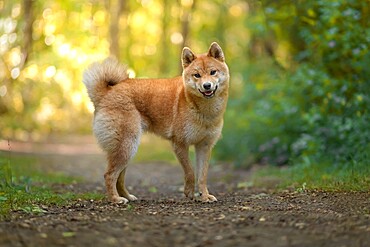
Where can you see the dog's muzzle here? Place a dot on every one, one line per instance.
(208, 93)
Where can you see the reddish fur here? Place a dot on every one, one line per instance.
(171, 108)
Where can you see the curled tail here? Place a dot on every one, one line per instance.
(99, 76)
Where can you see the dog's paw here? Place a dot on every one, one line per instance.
(189, 191)
(131, 197)
(119, 199)
(208, 198)
(189, 194)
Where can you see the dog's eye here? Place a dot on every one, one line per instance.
(213, 72)
(197, 75)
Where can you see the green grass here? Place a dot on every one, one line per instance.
(353, 177)
(31, 199)
(26, 187)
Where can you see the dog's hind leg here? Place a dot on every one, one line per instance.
(121, 188)
(117, 162)
(126, 143)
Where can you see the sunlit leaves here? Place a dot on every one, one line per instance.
(47, 90)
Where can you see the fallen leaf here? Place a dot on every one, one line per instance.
(245, 208)
(221, 217)
(242, 185)
(68, 234)
(153, 189)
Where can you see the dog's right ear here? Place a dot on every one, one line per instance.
(187, 57)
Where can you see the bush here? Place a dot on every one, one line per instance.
(260, 125)
(317, 111)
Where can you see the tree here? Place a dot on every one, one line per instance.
(187, 11)
(164, 46)
(27, 39)
(115, 8)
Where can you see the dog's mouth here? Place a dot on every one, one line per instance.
(209, 93)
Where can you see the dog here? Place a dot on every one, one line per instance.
(186, 110)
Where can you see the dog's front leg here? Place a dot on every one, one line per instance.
(203, 154)
(182, 153)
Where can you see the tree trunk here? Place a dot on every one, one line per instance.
(165, 51)
(115, 8)
(27, 38)
(185, 30)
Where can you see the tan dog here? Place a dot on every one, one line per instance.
(186, 110)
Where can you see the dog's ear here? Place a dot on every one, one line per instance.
(187, 57)
(215, 51)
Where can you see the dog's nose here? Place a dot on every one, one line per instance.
(207, 85)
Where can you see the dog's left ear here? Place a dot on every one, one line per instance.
(215, 51)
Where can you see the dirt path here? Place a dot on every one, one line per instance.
(163, 217)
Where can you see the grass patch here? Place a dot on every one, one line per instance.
(32, 199)
(25, 186)
(353, 177)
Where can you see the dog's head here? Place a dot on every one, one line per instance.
(205, 75)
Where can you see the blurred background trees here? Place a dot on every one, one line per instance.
(299, 69)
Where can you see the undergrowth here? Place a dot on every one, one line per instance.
(354, 177)
(313, 113)
(25, 187)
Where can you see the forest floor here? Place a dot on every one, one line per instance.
(243, 215)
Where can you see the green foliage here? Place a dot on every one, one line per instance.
(315, 113)
(263, 122)
(335, 119)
